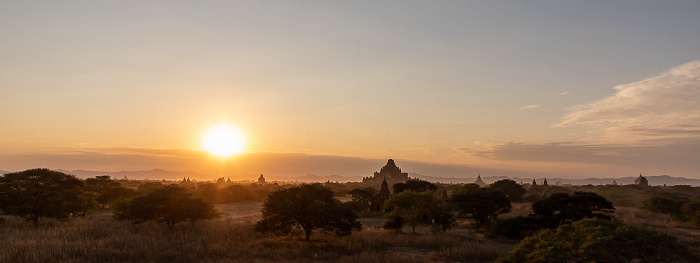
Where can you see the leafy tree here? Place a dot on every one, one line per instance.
(412, 206)
(666, 203)
(237, 193)
(595, 240)
(415, 186)
(563, 208)
(170, 205)
(106, 190)
(394, 222)
(148, 187)
(362, 198)
(483, 204)
(513, 190)
(36, 193)
(443, 217)
(308, 207)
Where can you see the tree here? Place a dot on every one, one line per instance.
(106, 189)
(513, 190)
(307, 207)
(170, 205)
(562, 208)
(595, 240)
(414, 207)
(666, 203)
(483, 204)
(415, 186)
(362, 198)
(36, 193)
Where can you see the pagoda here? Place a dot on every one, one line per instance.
(390, 172)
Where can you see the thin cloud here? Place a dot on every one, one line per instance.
(529, 107)
(665, 105)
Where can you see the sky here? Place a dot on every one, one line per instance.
(574, 89)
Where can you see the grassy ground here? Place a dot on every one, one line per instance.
(99, 239)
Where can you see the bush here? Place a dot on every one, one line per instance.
(666, 203)
(595, 240)
(170, 205)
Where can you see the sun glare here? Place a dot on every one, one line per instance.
(224, 141)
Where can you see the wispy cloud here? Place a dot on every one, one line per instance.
(662, 106)
(529, 107)
(564, 93)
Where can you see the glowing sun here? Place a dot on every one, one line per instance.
(224, 141)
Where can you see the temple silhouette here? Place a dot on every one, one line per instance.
(390, 173)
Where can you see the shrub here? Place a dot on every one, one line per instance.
(595, 240)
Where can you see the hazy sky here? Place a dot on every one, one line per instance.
(577, 88)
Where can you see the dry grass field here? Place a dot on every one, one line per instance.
(99, 238)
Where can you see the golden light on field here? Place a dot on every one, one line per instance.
(224, 141)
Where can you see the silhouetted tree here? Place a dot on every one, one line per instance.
(415, 186)
(237, 193)
(513, 190)
(36, 193)
(412, 206)
(362, 198)
(483, 204)
(394, 222)
(170, 205)
(562, 208)
(107, 190)
(308, 207)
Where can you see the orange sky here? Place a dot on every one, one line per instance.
(569, 89)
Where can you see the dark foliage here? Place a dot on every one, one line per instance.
(170, 205)
(516, 227)
(415, 186)
(595, 240)
(483, 204)
(307, 207)
(414, 207)
(36, 193)
(513, 190)
(107, 190)
(563, 208)
(666, 203)
(394, 222)
(362, 199)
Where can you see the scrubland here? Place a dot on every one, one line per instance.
(100, 239)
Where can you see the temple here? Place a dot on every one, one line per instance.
(390, 173)
(641, 180)
(380, 198)
(479, 182)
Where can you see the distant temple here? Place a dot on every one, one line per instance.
(614, 182)
(381, 197)
(534, 183)
(261, 179)
(641, 180)
(390, 173)
(479, 182)
(545, 182)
